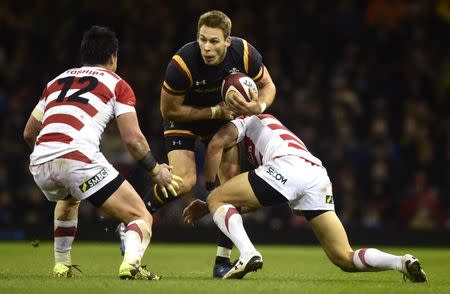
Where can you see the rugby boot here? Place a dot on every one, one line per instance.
(136, 272)
(242, 266)
(412, 269)
(220, 269)
(61, 270)
(120, 231)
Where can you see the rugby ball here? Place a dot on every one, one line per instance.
(239, 84)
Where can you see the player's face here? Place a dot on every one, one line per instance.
(213, 45)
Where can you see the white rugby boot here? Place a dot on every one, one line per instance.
(412, 269)
(244, 265)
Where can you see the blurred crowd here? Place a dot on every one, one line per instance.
(365, 84)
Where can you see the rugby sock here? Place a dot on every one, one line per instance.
(64, 233)
(224, 246)
(371, 259)
(155, 200)
(137, 238)
(229, 221)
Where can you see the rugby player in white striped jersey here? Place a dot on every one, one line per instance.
(287, 173)
(64, 131)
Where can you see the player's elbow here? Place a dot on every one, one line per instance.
(169, 114)
(133, 141)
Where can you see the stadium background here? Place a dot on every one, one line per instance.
(365, 84)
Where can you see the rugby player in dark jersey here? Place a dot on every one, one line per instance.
(192, 106)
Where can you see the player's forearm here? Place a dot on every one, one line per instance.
(188, 113)
(31, 131)
(267, 93)
(137, 147)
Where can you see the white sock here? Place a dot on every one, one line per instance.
(229, 221)
(64, 234)
(371, 259)
(137, 238)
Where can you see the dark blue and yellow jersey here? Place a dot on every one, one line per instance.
(187, 74)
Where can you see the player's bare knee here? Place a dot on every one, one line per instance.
(344, 261)
(66, 208)
(213, 200)
(139, 213)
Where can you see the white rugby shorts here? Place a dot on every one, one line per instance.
(59, 177)
(305, 185)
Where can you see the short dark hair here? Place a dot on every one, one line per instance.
(215, 19)
(98, 44)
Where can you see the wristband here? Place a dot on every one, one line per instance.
(210, 186)
(215, 110)
(263, 106)
(148, 161)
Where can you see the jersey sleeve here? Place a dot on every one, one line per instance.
(178, 77)
(241, 127)
(253, 62)
(125, 98)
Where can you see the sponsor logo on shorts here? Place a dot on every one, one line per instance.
(276, 175)
(94, 180)
(329, 199)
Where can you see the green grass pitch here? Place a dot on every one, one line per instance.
(186, 268)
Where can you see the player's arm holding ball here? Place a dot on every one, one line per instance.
(260, 100)
(173, 93)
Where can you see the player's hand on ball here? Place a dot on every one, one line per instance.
(240, 106)
(166, 180)
(195, 211)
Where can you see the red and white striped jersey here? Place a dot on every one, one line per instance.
(265, 138)
(75, 108)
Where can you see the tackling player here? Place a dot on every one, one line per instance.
(192, 109)
(287, 172)
(64, 131)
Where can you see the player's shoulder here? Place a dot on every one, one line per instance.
(189, 50)
(239, 44)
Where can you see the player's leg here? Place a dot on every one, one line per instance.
(65, 228)
(333, 238)
(222, 203)
(229, 167)
(65, 214)
(182, 158)
(119, 200)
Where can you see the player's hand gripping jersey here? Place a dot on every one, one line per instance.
(75, 108)
(265, 138)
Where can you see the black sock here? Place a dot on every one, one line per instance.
(223, 241)
(155, 199)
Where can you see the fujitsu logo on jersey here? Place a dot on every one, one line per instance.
(276, 175)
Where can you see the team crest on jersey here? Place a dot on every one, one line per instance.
(100, 176)
(329, 199)
(233, 70)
